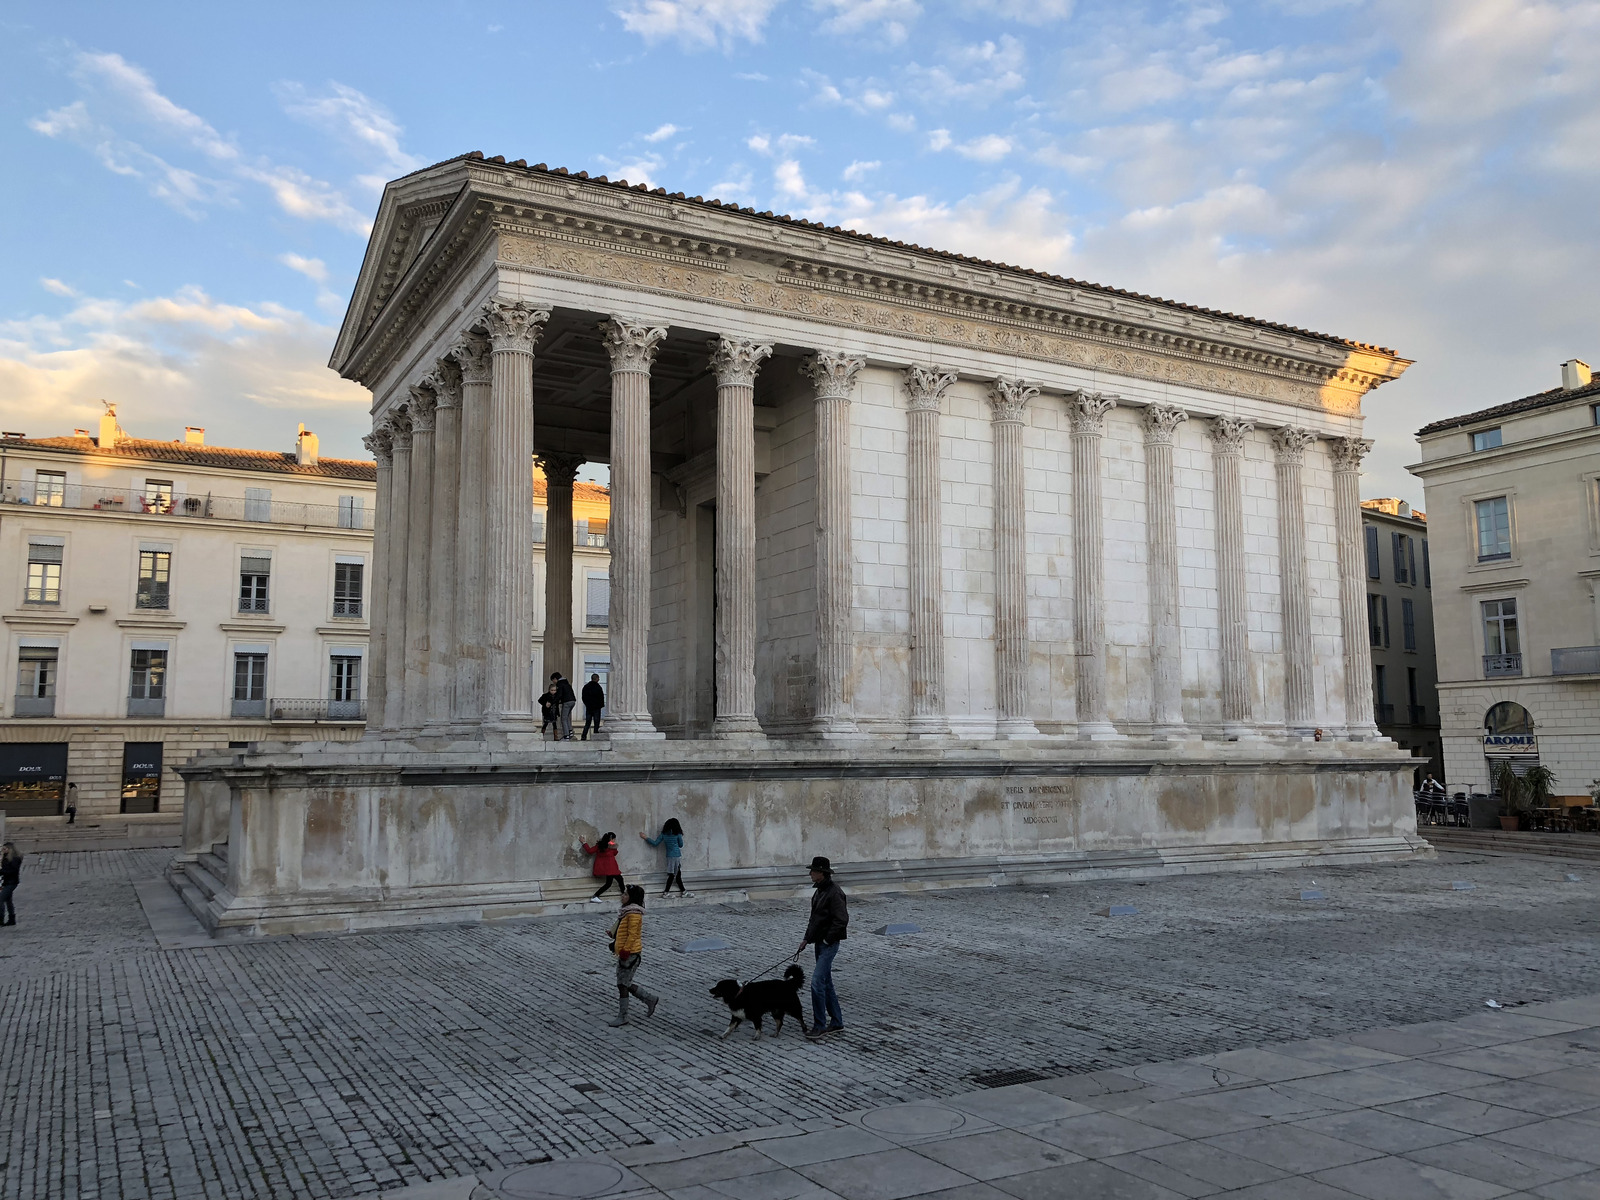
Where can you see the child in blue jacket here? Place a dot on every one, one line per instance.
(671, 838)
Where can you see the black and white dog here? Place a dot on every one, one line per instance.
(779, 997)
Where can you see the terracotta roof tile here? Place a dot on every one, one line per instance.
(1550, 399)
(225, 457)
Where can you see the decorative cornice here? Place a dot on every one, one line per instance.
(833, 374)
(926, 386)
(1227, 433)
(514, 325)
(560, 470)
(445, 380)
(1161, 423)
(736, 360)
(1089, 411)
(1348, 452)
(1290, 443)
(474, 355)
(421, 408)
(1009, 399)
(632, 346)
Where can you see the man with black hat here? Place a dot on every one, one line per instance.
(830, 921)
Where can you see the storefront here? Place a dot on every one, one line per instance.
(33, 778)
(141, 777)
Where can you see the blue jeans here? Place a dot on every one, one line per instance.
(823, 997)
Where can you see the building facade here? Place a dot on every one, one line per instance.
(1514, 492)
(1405, 693)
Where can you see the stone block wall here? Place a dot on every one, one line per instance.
(786, 597)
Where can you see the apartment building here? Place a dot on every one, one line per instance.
(1405, 692)
(1514, 492)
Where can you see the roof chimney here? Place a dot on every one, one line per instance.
(109, 432)
(194, 435)
(1403, 509)
(1575, 374)
(305, 447)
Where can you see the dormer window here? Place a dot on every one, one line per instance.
(1486, 439)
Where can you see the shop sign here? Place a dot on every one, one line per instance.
(1511, 743)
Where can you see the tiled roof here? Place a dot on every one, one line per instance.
(785, 219)
(191, 455)
(580, 491)
(1549, 399)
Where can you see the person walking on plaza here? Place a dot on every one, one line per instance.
(10, 876)
(605, 865)
(627, 939)
(594, 699)
(829, 924)
(670, 837)
(566, 698)
(549, 713)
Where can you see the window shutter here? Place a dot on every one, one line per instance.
(1411, 559)
(255, 566)
(1427, 570)
(1385, 606)
(40, 552)
(1372, 552)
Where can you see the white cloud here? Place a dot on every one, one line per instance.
(786, 143)
(661, 133)
(697, 24)
(891, 18)
(313, 269)
(353, 118)
(1024, 12)
(991, 147)
(56, 287)
(973, 75)
(641, 168)
(939, 139)
(868, 97)
(858, 170)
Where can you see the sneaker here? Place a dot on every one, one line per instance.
(834, 1029)
(594, 899)
(815, 1032)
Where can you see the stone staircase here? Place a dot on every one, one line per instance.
(203, 883)
(1580, 846)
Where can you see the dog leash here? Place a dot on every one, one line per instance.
(791, 958)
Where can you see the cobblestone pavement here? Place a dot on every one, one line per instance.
(334, 1066)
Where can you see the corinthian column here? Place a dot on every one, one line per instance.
(1089, 411)
(417, 556)
(472, 522)
(1161, 525)
(514, 328)
(735, 361)
(398, 571)
(632, 348)
(1227, 439)
(1008, 400)
(926, 388)
(380, 444)
(443, 567)
(834, 377)
(1299, 693)
(1347, 455)
(560, 470)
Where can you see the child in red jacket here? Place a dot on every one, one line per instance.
(605, 865)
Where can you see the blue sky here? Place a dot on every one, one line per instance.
(189, 185)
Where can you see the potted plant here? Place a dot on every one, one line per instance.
(1508, 784)
(1538, 784)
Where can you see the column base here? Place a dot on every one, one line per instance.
(834, 726)
(1011, 729)
(1173, 733)
(1099, 731)
(928, 727)
(741, 727)
(1234, 731)
(633, 729)
(1362, 733)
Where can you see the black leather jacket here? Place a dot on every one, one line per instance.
(830, 918)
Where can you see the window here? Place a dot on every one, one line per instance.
(257, 504)
(148, 676)
(1397, 546)
(1411, 686)
(1494, 529)
(1427, 569)
(538, 526)
(1380, 685)
(36, 681)
(597, 602)
(1486, 439)
(591, 531)
(344, 679)
(50, 488)
(1378, 619)
(347, 577)
(255, 572)
(1411, 559)
(44, 572)
(1500, 627)
(1594, 413)
(158, 495)
(155, 579)
(352, 512)
(249, 683)
(1408, 624)
(1372, 552)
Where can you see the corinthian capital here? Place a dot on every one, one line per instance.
(380, 444)
(1009, 398)
(632, 346)
(472, 355)
(1227, 434)
(445, 379)
(1349, 451)
(421, 407)
(1089, 411)
(832, 374)
(926, 386)
(1290, 442)
(514, 324)
(1161, 423)
(736, 360)
(560, 470)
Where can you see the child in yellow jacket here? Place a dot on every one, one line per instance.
(627, 940)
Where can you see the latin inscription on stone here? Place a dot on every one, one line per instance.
(1035, 803)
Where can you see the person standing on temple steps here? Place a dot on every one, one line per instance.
(670, 837)
(10, 876)
(605, 865)
(594, 699)
(627, 941)
(830, 922)
(566, 698)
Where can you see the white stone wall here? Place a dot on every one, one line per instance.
(1195, 481)
(1263, 587)
(966, 471)
(669, 604)
(1047, 475)
(1566, 718)
(786, 598)
(1322, 572)
(1127, 586)
(881, 619)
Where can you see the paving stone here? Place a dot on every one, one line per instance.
(705, 1168)
(1579, 1187)
(1292, 1148)
(886, 1175)
(1381, 1130)
(997, 1153)
(823, 1146)
(1085, 1179)
(1101, 1135)
(1402, 1179)
(1496, 1162)
(1530, 1096)
(1461, 1114)
(1214, 1165)
(1560, 1136)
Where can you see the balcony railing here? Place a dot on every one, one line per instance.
(1383, 714)
(91, 497)
(1417, 714)
(1575, 660)
(34, 706)
(141, 706)
(1499, 665)
(314, 711)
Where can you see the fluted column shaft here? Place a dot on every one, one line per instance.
(1008, 400)
(1088, 564)
(1161, 527)
(926, 388)
(1347, 455)
(632, 348)
(381, 445)
(834, 378)
(398, 571)
(472, 524)
(735, 362)
(443, 566)
(1299, 691)
(514, 328)
(418, 554)
(560, 471)
(1227, 436)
